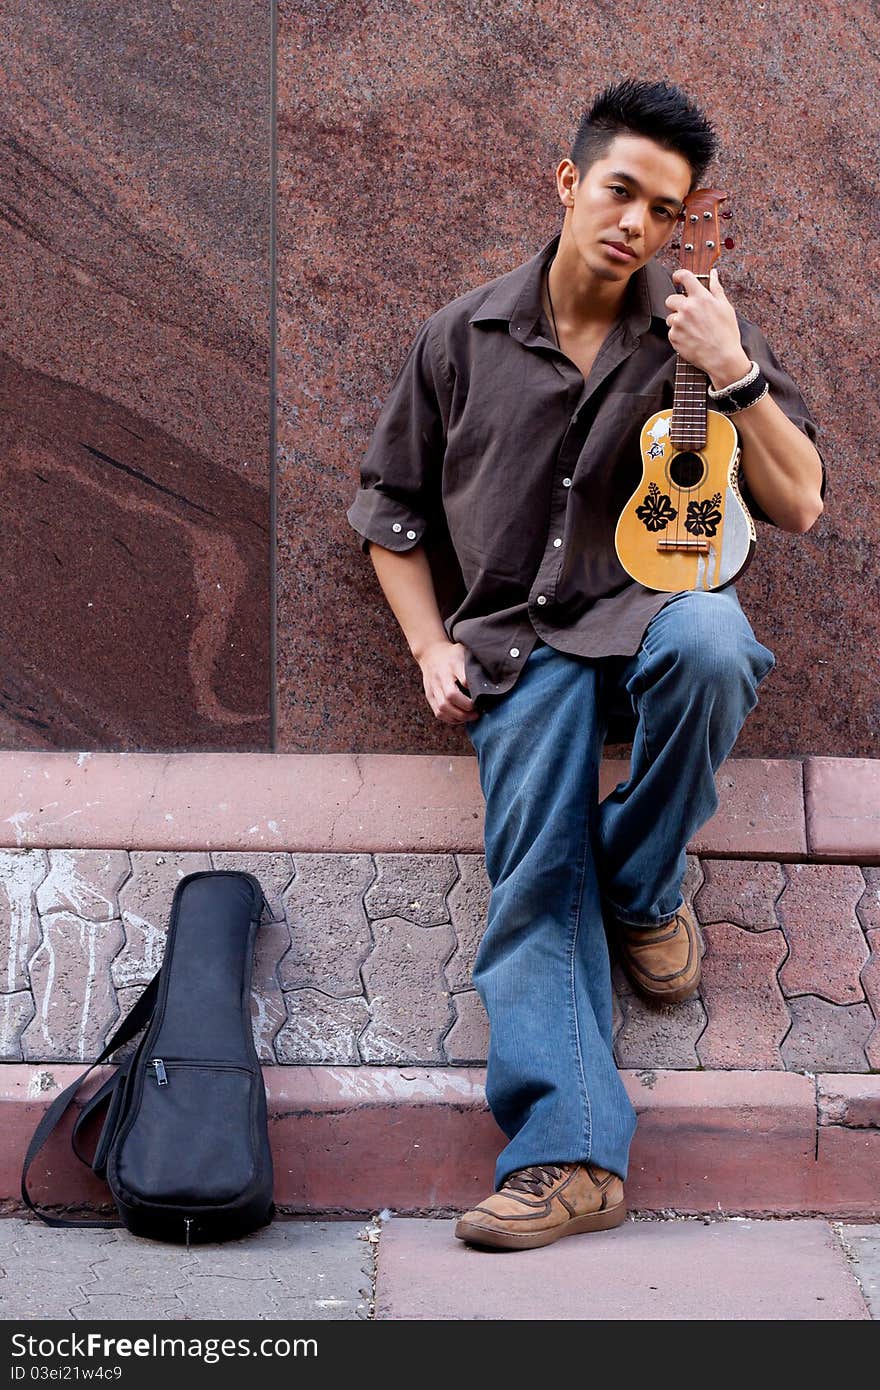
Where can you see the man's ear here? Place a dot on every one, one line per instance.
(566, 198)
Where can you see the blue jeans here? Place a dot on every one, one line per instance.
(557, 860)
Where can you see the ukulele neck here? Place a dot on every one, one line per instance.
(688, 426)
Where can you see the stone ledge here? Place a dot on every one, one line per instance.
(825, 809)
(355, 1140)
(852, 1102)
(331, 803)
(842, 805)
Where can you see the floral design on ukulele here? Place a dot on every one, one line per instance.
(703, 517)
(656, 511)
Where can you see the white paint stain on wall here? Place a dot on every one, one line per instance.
(80, 810)
(17, 821)
(67, 888)
(71, 987)
(87, 932)
(46, 948)
(16, 1010)
(265, 1018)
(135, 971)
(382, 1041)
(19, 876)
(39, 1082)
(320, 1029)
(365, 1083)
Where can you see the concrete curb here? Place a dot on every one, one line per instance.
(354, 1140)
(787, 808)
(365, 802)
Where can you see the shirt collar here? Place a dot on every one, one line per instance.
(515, 298)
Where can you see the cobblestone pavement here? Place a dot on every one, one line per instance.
(291, 1269)
(674, 1268)
(368, 959)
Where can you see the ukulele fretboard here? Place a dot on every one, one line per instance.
(688, 426)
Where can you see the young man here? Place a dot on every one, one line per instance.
(490, 493)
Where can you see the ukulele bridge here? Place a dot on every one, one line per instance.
(702, 547)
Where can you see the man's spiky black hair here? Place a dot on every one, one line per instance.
(657, 110)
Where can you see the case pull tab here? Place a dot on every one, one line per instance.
(161, 1074)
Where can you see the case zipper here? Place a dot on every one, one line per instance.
(158, 1065)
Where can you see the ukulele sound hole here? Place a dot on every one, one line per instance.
(686, 469)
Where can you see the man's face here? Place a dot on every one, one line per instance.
(629, 198)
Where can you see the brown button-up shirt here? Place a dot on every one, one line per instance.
(495, 452)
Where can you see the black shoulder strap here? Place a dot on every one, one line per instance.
(101, 1097)
(137, 1018)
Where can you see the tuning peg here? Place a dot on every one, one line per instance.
(729, 243)
(727, 213)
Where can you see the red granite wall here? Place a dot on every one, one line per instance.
(134, 369)
(416, 148)
(417, 144)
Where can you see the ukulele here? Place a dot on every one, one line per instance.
(686, 525)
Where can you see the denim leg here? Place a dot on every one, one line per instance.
(542, 967)
(692, 683)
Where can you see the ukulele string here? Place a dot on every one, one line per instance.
(681, 393)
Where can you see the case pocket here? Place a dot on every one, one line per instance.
(191, 1141)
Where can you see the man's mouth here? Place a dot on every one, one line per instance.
(625, 252)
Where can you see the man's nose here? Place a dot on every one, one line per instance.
(632, 220)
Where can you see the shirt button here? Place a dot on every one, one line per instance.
(397, 526)
(542, 599)
(557, 543)
(410, 535)
(514, 651)
(566, 482)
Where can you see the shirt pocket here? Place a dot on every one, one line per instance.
(613, 441)
(626, 412)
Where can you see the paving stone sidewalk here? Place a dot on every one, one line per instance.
(291, 1269)
(679, 1268)
(368, 959)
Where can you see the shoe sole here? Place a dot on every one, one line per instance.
(673, 996)
(509, 1240)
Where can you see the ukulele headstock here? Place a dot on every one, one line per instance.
(701, 239)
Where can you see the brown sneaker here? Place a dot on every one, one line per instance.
(662, 962)
(537, 1205)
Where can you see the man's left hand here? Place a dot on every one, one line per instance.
(703, 329)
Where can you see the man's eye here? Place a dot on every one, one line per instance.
(616, 188)
(664, 211)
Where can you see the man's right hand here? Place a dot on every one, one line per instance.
(442, 664)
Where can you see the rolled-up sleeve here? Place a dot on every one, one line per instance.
(400, 484)
(787, 397)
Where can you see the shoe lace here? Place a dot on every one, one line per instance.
(535, 1178)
